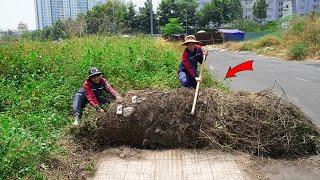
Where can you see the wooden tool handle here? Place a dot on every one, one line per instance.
(198, 86)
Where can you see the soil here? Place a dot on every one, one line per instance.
(257, 123)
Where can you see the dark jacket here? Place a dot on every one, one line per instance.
(94, 90)
(189, 61)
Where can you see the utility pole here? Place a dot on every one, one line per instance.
(114, 24)
(186, 22)
(151, 18)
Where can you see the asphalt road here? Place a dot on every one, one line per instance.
(299, 80)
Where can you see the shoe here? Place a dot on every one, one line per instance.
(75, 122)
(76, 119)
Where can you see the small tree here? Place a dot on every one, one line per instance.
(260, 10)
(173, 27)
(58, 31)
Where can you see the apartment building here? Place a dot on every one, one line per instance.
(50, 11)
(247, 6)
(22, 27)
(279, 8)
(201, 3)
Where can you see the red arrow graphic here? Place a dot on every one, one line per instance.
(241, 67)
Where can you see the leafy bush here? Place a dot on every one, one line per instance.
(270, 26)
(297, 26)
(268, 41)
(298, 50)
(246, 46)
(173, 27)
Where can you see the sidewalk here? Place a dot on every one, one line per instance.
(172, 164)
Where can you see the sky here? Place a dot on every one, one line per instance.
(14, 11)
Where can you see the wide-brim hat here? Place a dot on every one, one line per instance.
(93, 72)
(190, 39)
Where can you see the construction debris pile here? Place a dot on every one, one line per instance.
(259, 123)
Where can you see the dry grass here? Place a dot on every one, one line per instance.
(300, 41)
(257, 123)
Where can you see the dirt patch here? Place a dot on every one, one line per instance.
(302, 168)
(258, 123)
(70, 161)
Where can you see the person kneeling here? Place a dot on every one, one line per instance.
(92, 91)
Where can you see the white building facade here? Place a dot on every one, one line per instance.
(22, 28)
(201, 3)
(247, 6)
(50, 11)
(279, 8)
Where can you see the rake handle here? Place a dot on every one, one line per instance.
(198, 86)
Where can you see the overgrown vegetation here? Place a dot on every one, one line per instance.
(39, 79)
(172, 27)
(298, 42)
(252, 26)
(117, 17)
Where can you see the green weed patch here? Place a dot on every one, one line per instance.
(39, 79)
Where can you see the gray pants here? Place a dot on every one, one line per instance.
(80, 101)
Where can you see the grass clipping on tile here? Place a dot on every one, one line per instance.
(259, 123)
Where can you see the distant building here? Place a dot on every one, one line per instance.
(279, 8)
(303, 7)
(287, 8)
(9, 34)
(201, 3)
(22, 27)
(272, 10)
(99, 2)
(50, 11)
(247, 6)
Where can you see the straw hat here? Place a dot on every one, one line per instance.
(190, 39)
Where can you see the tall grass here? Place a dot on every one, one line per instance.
(303, 38)
(300, 41)
(39, 79)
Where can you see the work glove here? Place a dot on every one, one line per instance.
(205, 52)
(99, 109)
(198, 79)
(119, 99)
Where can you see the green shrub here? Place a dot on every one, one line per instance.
(172, 27)
(298, 50)
(268, 41)
(297, 26)
(246, 46)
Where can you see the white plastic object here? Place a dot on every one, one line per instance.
(119, 109)
(127, 111)
(134, 99)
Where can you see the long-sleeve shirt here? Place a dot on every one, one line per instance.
(94, 90)
(190, 60)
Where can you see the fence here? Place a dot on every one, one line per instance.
(255, 35)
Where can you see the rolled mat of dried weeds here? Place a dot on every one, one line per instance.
(259, 123)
